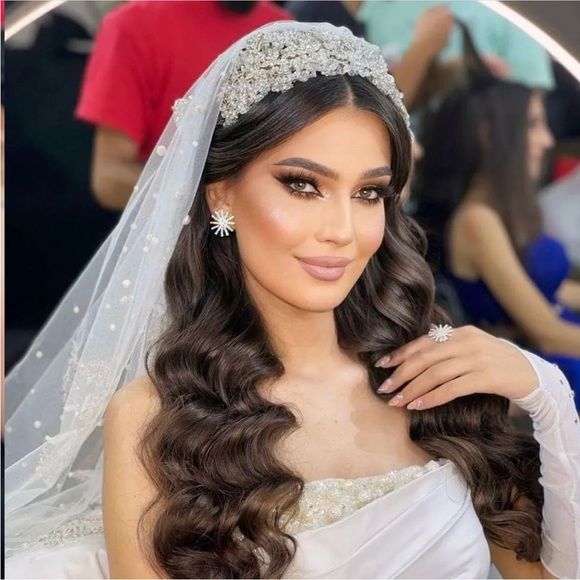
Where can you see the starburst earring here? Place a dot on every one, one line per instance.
(222, 223)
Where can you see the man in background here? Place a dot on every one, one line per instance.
(147, 54)
(337, 12)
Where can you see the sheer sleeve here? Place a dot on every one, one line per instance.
(557, 430)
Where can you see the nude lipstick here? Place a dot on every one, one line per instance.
(327, 268)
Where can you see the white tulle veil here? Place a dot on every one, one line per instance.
(96, 339)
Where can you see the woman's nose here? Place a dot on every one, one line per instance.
(337, 222)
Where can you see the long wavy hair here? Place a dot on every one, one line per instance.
(480, 127)
(223, 495)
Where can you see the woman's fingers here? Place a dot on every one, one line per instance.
(466, 335)
(413, 347)
(419, 362)
(433, 377)
(403, 353)
(472, 361)
(445, 393)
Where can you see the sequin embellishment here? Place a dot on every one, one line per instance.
(328, 500)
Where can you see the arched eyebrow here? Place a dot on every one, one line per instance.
(385, 171)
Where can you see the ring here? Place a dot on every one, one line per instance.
(440, 332)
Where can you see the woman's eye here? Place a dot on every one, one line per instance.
(302, 186)
(309, 188)
(370, 193)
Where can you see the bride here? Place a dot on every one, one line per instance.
(250, 379)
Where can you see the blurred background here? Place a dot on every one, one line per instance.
(87, 88)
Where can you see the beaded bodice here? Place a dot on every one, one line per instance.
(327, 500)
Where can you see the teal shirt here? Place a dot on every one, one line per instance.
(390, 25)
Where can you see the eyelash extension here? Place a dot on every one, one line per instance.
(291, 177)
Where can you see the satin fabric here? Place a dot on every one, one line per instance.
(426, 528)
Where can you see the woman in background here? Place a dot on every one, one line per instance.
(476, 197)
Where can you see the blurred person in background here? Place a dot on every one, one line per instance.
(339, 13)
(146, 55)
(423, 47)
(476, 196)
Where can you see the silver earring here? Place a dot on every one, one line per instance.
(222, 223)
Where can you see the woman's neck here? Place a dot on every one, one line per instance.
(306, 341)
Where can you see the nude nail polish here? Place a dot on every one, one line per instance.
(396, 400)
(386, 387)
(383, 361)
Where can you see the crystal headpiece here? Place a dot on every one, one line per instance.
(274, 60)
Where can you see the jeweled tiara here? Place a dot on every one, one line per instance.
(275, 59)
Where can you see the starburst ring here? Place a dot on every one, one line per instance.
(440, 332)
(222, 223)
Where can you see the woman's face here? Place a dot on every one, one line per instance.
(315, 197)
(540, 138)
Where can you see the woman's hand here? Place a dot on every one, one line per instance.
(471, 361)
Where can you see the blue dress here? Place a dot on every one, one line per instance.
(548, 266)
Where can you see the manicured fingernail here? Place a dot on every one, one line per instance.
(416, 404)
(383, 361)
(396, 400)
(386, 387)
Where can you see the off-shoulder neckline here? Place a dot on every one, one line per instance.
(431, 464)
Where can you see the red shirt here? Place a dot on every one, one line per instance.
(149, 53)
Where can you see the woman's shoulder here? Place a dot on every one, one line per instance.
(473, 227)
(476, 219)
(135, 401)
(128, 487)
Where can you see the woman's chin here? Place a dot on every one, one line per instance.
(319, 300)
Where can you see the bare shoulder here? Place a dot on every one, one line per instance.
(127, 487)
(136, 401)
(478, 221)
(127, 415)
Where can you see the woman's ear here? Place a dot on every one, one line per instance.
(218, 196)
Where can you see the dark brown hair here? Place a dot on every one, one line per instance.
(222, 492)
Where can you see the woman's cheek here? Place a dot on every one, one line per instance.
(278, 222)
(282, 224)
(372, 233)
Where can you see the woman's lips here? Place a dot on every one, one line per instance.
(328, 273)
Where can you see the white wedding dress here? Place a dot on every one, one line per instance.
(416, 522)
